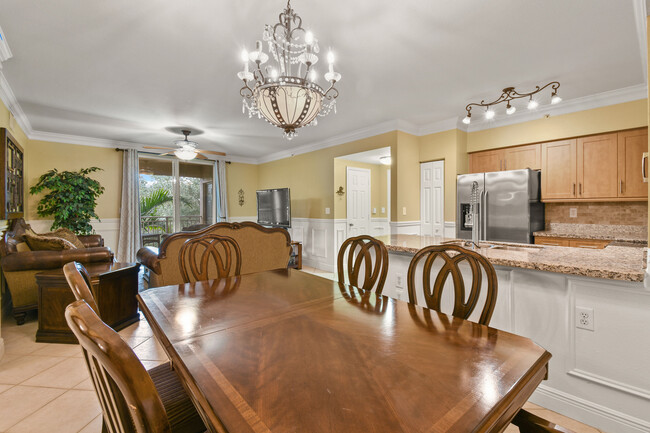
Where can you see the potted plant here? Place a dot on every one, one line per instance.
(71, 200)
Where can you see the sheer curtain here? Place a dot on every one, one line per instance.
(222, 197)
(129, 241)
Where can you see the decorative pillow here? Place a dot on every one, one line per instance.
(22, 247)
(68, 235)
(49, 243)
(62, 233)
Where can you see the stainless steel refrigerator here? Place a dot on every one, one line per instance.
(509, 207)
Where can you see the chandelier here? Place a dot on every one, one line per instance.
(286, 94)
(509, 94)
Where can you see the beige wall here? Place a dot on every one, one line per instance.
(244, 177)
(44, 156)
(378, 190)
(311, 175)
(610, 118)
(405, 178)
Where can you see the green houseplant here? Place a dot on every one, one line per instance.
(71, 200)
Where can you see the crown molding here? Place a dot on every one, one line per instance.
(443, 125)
(9, 99)
(612, 97)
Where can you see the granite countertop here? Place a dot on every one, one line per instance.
(612, 262)
(617, 233)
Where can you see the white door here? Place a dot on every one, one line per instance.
(432, 198)
(358, 183)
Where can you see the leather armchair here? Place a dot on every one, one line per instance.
(20, 268)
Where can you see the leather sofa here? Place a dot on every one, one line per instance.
(262, 249)
(20, 268)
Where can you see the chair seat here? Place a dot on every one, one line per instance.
(181, 412)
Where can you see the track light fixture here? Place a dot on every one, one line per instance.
(509, 94)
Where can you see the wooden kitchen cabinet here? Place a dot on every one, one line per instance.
(631, 146)
(486, 161)
(516, 158)
(559, 174)
(595, 244)
(555, 242)
(597, 166)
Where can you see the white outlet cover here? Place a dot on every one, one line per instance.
(327, 211)
(374, 210)
(383, 210)
(585, 318)
(399, 280)
(573, 212)
(404, 211)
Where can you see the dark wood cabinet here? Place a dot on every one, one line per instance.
(12, 187)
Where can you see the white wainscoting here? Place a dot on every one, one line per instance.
(450, 229)
(405, 227)
(108, 228)
(318, 241)
(379, 227)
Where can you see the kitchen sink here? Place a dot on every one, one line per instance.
(492, 246)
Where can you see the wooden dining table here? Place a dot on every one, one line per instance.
(287, 351)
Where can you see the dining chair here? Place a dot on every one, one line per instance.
(530, 423)
(452, 256)
(133, 400)
(359, 251)
(208, 257)
(78, 279)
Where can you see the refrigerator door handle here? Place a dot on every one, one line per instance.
(484, 216)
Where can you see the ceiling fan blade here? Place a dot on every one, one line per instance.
(153, 147)
(166, 153)
(212, 152)
(199, 156)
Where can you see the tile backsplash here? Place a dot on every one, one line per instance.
(633, 213)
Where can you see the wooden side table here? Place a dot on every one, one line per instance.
(114, 285)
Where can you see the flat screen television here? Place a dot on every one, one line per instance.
(274, 207)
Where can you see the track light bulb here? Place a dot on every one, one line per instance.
(555, 99)
(489, 114)
(532, 104)
(510, 109)
(467, 120)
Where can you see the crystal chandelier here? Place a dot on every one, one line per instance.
(287, 94)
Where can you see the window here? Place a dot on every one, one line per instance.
(174, 195)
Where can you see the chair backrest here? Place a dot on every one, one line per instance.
(79, 281)
(359, 251)
(126, 393)
(452, 256)
(208, 257)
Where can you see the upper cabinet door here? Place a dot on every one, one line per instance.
(520, 157)
(631, 145)
(481, 162)
(598, 167)
(559, 170)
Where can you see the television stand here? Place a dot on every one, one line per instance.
(295, 260)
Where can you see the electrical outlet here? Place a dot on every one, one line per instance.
(404, 211)
(327, 211)
(585, 318)
(383, 210)
(573, 212)
(399, 281)
(374, 210)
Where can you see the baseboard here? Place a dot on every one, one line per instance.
(2, 347)
(588, 412)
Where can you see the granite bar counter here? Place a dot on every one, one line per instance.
(613, 262)
(616, 233)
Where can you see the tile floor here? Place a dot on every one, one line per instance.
(46, 388)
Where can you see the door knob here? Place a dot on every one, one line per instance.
(351, 224)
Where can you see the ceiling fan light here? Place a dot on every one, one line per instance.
(185, 153)
(385, 160)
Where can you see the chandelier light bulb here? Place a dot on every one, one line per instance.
(555, 98)
(274, 73)
(468, 119)
(309, 38)
(244, 56)
(330, 58)
(532, 104)
(313, 75)
(489, 114)
(510, 109)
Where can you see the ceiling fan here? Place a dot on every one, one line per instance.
(187, 149)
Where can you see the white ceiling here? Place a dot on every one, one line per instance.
(126, 70)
